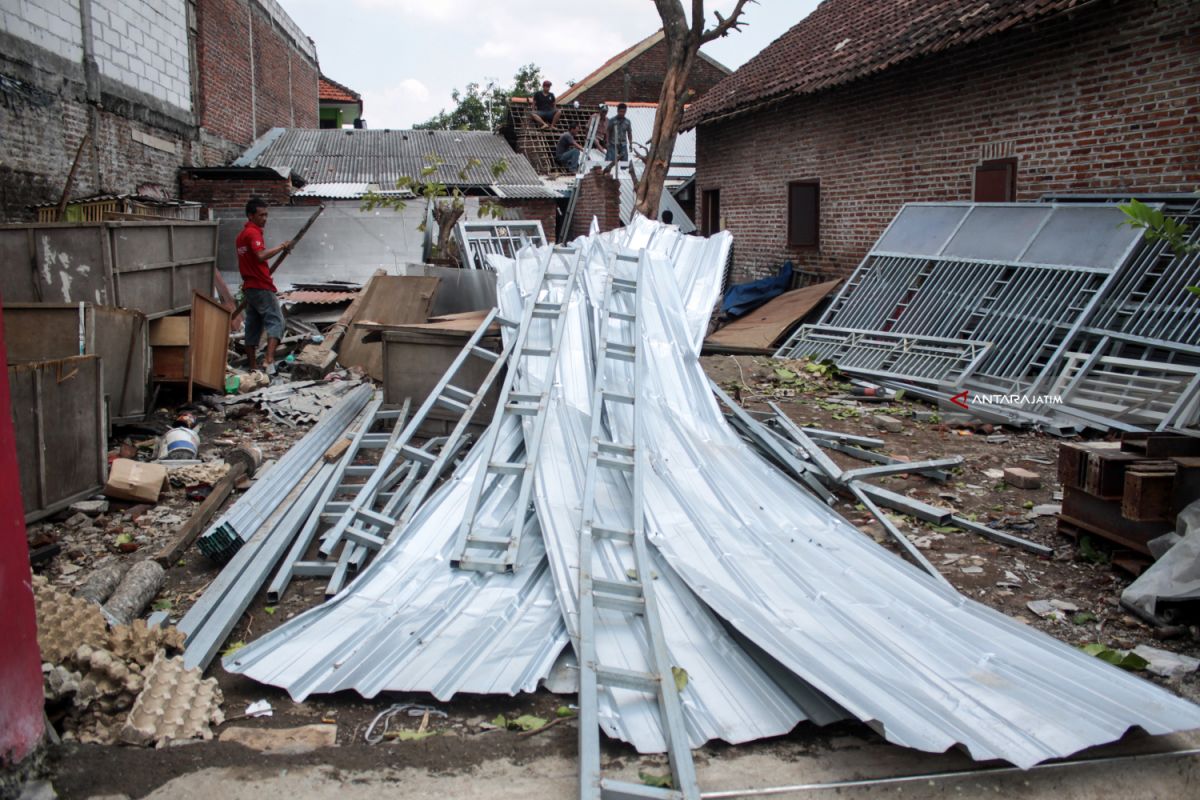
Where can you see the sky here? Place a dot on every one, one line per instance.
(406, 56)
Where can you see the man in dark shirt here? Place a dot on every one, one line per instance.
(619, 135)
(262, 302)
(545, 108)
(569, 150)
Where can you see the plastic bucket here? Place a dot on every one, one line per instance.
(181, 443)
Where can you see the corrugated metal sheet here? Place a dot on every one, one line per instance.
(383, 156)
(312, 298)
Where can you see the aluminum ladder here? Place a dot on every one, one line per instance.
(589, 143)
(496, 550)
(634, 597)
(362, 521)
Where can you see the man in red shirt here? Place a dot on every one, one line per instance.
(262, 303)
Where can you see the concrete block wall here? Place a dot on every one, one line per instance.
(144, 45)
(53, 25)
(1101, 101)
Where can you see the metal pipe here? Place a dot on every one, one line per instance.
(767, 791)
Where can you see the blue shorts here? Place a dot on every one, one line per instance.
(262, 311)
(547, 116)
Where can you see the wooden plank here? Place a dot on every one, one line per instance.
(210, 342)
(763, 327)
(58, 419)
(389, 300)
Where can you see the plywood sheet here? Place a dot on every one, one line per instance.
(389, 300)
(58, 419)
(764, 326)
(209, 343)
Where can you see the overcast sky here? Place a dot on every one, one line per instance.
(405, 56)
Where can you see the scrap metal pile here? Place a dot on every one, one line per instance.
(610, 506)
(1055, 306)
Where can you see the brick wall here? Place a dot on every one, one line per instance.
(599, 197)
(257, 71)
(641, 79)
(222, 191)
(543, 210)
(1102, 101)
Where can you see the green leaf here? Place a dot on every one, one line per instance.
(161, 605)
(500, 722)
(233, 648)
(124, 538)
(1027, 504)
(269, 609)
(944, 528)
(1083, 618)
(631, 573)
(410, 736)
(681, 678)
(528, 722)
(1118, 658)
(181, 563)
(659, 781)
(785, 374)
(1194, 290)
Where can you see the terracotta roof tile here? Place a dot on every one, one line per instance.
(843, 40)
(334, 92)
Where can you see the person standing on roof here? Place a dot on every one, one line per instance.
(545, 107)
(569, 150)
(262, 302)
(619, 135)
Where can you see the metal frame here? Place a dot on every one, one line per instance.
(635, 597)
(478, 240)
(497, 550)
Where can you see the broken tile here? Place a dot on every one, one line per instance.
(886, 423)
(1022, 478)
(1165, 663)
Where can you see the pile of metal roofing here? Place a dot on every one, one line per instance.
(660, 543)
(1053, 314)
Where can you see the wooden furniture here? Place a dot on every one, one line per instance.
(192, 349)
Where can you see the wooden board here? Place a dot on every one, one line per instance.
(58, 419)
(388, 301)
(209, 344)
(763, 327)
(414, 362)
(45, 331)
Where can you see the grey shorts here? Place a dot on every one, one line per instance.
(547, 116)
(262, 311)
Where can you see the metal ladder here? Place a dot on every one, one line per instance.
(589, 143)
(634, 596)
(496, 550)
(375, 511)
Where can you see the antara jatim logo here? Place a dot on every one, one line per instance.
(960, 399)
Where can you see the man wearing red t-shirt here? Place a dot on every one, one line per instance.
(262, 304)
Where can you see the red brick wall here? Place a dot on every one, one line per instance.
(599, 197)
(1103, 101)
(233, 192)
(284, 79)
(641, 79)
(543, 210)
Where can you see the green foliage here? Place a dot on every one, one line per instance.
(1158, 227)
(1119, 658)
(480, 106)
(659, 781)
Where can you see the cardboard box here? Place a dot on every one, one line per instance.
(135, 480)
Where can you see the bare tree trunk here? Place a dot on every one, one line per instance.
(446, 215)
(683, 39)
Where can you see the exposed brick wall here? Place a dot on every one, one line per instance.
(254, 73)
(599, 197)
(543, 210)
(224, 192)
(641, 79)
(1102, 101)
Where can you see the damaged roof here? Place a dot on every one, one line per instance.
(621, 59)
(382, 157)
(843, 40)
(330, 91)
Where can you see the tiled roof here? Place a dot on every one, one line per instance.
(329, 90)
(619, 60)
(843, 40)
(350, 155)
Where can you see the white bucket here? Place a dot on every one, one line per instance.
(181, 443)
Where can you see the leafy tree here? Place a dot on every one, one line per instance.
(479, 106)
(448, 203)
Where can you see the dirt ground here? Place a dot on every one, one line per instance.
(1004, 578)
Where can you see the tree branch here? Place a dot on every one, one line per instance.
(724, 25)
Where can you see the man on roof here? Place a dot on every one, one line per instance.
(569, 150)
(262, 302)
(545, 107)
(619, 135)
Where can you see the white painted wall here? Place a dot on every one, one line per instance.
(51, 24)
